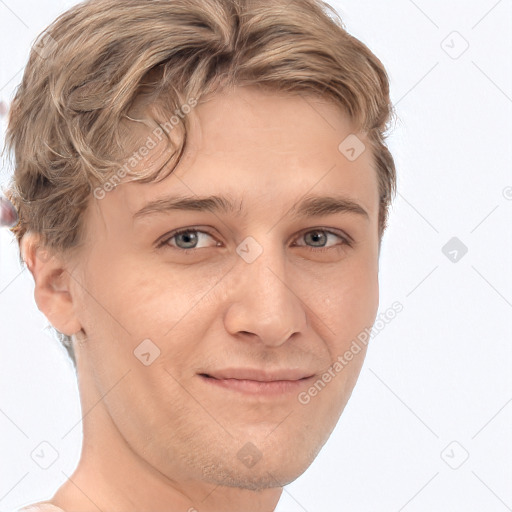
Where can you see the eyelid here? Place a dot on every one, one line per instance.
(348, 240)
(345, 238)
(164, 241)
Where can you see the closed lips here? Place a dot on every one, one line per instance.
(260, 375)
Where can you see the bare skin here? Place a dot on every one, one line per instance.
(165, 436)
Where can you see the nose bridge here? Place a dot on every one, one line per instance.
(263, 302)
(267, 282)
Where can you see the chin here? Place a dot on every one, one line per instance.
(277, 466)
(251, 479)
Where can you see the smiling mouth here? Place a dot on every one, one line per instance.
(257, 385)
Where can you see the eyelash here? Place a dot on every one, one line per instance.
(165, 243)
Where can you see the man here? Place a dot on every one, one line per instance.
(202, 188)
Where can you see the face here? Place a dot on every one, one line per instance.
(223, 331)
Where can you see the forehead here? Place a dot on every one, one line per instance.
(260, 148)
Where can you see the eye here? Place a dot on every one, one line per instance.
(186, 239)
(319, 239)
(189, 239)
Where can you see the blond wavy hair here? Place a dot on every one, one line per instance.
(88, 69)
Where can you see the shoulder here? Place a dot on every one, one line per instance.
(42, 506)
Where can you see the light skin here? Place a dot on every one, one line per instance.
(164, 436)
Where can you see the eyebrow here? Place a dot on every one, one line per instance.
(309, 206)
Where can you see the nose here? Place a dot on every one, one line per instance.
(263, 304)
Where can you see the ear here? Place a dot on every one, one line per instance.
(52, 280)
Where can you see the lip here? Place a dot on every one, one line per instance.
(255, 381)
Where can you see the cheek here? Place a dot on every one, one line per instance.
(349, 303)
(349, 308)
(137, 311)
(137, 298)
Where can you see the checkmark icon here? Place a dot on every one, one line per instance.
(44, 455)
(454, 455)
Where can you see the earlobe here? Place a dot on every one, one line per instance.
(52, 280)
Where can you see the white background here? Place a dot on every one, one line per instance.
(440, 371)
